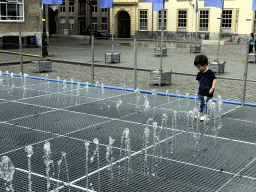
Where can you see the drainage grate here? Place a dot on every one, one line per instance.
(67, 116)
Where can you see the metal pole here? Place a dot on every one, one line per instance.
(135, 63)
(196, 3)
(41, 26)
(21, 58)
(161, 48)
(220, 31)
(245, 73)
(254, 47)
(152, 19)
(92, 60)
(112, 31)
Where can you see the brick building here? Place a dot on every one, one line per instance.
(21, 16)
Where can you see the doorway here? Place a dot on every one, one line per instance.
(124, 25)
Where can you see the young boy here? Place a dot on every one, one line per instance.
(207, 84)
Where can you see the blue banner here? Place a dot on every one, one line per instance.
(196, 9)
(105, 4)
(213, 3)
(52, 1)
(154, 1)
(253, 4)
(157, 6)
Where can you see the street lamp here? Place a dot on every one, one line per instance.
(44, 36)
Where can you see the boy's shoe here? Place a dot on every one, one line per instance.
(204, 118)
(199, 115)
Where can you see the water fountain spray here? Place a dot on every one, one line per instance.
(47, 162)
(87, 143)
(29, 150)
(96, 152)
(109, 153)
(7, 170)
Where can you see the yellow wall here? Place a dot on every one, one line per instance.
(172, 7)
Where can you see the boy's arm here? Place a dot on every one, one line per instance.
(213, 85)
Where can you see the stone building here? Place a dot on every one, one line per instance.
(20, 16)
(73, 17)
(180, 19)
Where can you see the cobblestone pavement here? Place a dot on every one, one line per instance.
(178, 60)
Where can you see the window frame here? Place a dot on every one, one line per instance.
(19, 9)
(142, 28)
(105, 28)
(71, 25)
(160, 20)
(227, 29)
(204, 18)
(181, 29)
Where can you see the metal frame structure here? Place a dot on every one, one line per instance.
(157, 153)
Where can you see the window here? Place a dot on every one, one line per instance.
(203, 20)
(71, 23)
(182, 20)
(62, 23)
(143, 20)
(12, 10)
(94, 6)
(226, 21)
(104, 24)
(82, 8)
(236, 23)
(62, 7)
(160, 20)
(71, 6)
(104, 10)
(94, 22)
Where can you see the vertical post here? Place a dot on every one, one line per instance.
(21, 58)
(245, 72)
(254, 46)
(152, 19)
(161, 48)
(92, 60)
(112, 32)
(44, 36)
(135, 63)
(196, 4)
(220, 31)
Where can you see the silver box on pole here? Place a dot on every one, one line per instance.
(217, 67)
(112, 57)
(157, 77)
(42, 65)
(158, 52)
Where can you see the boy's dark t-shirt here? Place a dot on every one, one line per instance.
(205, 82)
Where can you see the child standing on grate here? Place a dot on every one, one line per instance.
(207, 84)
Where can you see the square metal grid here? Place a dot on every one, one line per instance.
(40, 110)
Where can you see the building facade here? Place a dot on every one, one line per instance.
(21, 16)
(181, 21)
(73, 17)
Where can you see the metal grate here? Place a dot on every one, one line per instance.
(38, 110)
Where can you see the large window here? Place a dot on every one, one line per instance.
(71, 6)
(104, 24)
(62, 7)
(12, 10)
(143, 20)
(62, 23)
(71, 23)
(226, 21)
(94, 6)
(182, 20)
(94, 22)
(160, 20)
(203, 20)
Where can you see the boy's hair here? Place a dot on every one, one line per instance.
(201, 60)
